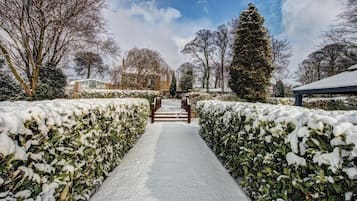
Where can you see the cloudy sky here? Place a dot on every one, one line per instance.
(167, 25)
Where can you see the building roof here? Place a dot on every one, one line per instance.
(74, 81)
(345, 82)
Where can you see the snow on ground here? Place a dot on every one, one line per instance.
(171, 105)
(170, 163)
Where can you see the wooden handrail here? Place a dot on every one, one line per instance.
(154, 107)
(186, 105)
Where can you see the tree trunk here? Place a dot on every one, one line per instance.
(207, 73)
(204, 80)
(216, 81)
(207, 80)
(8, 60)
(222, 73)
(88, 72)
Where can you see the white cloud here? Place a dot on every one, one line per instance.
(304, 22)
(204, 4)
(144, 25)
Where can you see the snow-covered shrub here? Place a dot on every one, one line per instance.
(229, 97)
(195, 97)
(336, 103)
(281, 101)
(9, 88)
(52, 83)
(63, 149)
(106, 93)
(284, 152)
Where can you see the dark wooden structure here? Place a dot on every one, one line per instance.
(186, 105)
(342, 83)
(154, 107)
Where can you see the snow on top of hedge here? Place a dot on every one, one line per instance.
(121, 90)
(13, 115)
(344, 124)
(72, 132)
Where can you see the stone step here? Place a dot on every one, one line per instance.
(171, 113)
(171, 116)
(170, 120)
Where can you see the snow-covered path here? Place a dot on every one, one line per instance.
(170, 162)
(171, 105)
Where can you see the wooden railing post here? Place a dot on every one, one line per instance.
(154, 107)
(152, 113)
(153, 110)
(189, 114)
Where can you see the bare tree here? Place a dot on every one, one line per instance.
(201, 49)
(91, 61)
(333, 54)
(232, 29)
(34, 33)
(305, 73)
(115, 75)
(142, 68)
(89, 64)
(221, 41)
(281, 53)
(349, 25)
(327, 61)
(337, 52)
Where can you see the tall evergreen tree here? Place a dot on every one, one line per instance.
(279, 89)
(251, 68)
(173, 85)
(186, 79)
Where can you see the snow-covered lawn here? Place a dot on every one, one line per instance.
(284, 152)
(63, 149)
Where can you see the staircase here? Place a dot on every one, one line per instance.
(181, 116)
(170, 110)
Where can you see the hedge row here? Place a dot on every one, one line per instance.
(336, 103)
(284, 152)
(63, 149)
(106, 93)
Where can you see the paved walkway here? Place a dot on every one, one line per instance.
(170, 162)
(170, 105)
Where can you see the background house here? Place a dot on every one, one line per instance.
(158, 79)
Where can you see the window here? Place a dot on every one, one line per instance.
(92, 84)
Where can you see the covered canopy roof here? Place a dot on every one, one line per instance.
(84, 80)
(343, 83)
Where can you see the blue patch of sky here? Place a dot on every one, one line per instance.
(222, 11)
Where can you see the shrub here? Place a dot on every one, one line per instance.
(336, 103)
(195, 97)
(52, 82)
(173, 85)
(229, 97)
(284, 152)
(63, 149)
(105, 93)
(9, 88)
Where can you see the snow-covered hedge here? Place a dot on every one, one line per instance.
(194, 98)
(63, 149)
(336, 103)
(284, 152)
(106, 93)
